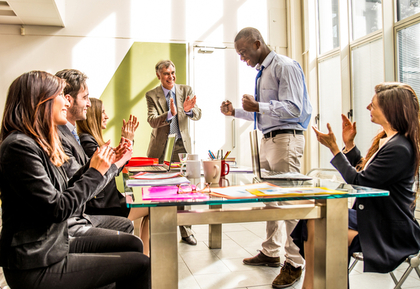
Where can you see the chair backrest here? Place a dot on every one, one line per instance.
(329, 174)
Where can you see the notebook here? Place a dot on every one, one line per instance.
(269, 175)
(166, 166)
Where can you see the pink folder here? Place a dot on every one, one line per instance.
(169, 193)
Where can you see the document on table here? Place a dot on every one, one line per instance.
(170, 193)
(268, 190)
(154, 176)
(158, 182)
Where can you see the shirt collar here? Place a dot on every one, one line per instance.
(70, 126)
(165, 91)
(267, 61)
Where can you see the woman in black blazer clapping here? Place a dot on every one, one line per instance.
(37, 198)
(384, 228)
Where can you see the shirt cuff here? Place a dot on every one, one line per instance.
(264, 107)
(170, 116)
(190, 113)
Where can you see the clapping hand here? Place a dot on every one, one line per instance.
(227, 109)
(349, 132)
(103, 158)
(172, 107)
(249, 103)
(327, 139)
(129, 127)
(189, 103)
(123, 152)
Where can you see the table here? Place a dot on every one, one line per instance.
(328, 211)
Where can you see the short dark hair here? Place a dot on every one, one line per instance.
(75, 80)
(163, 63)
(250, 34)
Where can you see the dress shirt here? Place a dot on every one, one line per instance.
(170, 116)
(283, 98)
(70, 126)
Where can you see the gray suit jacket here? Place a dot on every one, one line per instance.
(158, 112)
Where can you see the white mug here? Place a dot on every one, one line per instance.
(193, 157)
(212, 171)
(193, 169)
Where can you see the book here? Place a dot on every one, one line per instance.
(154, 176)
(157, 182)
(267, 190)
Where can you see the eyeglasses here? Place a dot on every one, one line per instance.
(192, 189)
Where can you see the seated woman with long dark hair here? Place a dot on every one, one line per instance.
(111, 201)
(384, 228)
(37, 199)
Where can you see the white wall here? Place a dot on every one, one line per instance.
(98, 33)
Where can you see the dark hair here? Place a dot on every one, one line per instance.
(400, 106)
(28, 109)
(93, 122)
(75, 80)
(163, 63)
(250, 34)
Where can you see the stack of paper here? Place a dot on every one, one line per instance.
(157, 182)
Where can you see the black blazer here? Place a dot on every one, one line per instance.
(37, 200)
(388, 230)
(108, 201)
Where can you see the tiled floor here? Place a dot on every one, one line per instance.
(204, 268)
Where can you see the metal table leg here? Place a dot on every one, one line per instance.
(164, 247)
(215, 232)
(330, 262)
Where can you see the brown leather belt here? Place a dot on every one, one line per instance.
(282, 131)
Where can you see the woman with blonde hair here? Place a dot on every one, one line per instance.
(110, 201)
(38, 198)
(385, 228)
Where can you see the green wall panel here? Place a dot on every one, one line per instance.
(125, 93)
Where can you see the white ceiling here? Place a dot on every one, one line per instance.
(32, 12)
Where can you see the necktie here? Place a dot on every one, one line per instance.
(75, 135)
(256, 94)
(173, 127)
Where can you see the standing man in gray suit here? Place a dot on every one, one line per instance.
(169, 107)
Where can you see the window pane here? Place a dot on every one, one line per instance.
(366, 16)
(409, 56)
(367, 71)
(329, 104)
(406, 8)
(328, 25)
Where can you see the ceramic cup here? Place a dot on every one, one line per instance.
(212, 171)
(193, 169)
(224, 168)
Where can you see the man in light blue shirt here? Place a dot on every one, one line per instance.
(281, 109)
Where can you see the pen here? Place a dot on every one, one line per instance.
(227, 154)
(221, 155)
(211, 154)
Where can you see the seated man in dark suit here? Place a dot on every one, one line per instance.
(80, 223)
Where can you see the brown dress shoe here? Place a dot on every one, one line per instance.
(262, 260)
(288, 276)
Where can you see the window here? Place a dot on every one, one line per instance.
(366, 16)
(406, 8)
(329, 104)
(328, 25)
(408, 40)
(367, 71)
